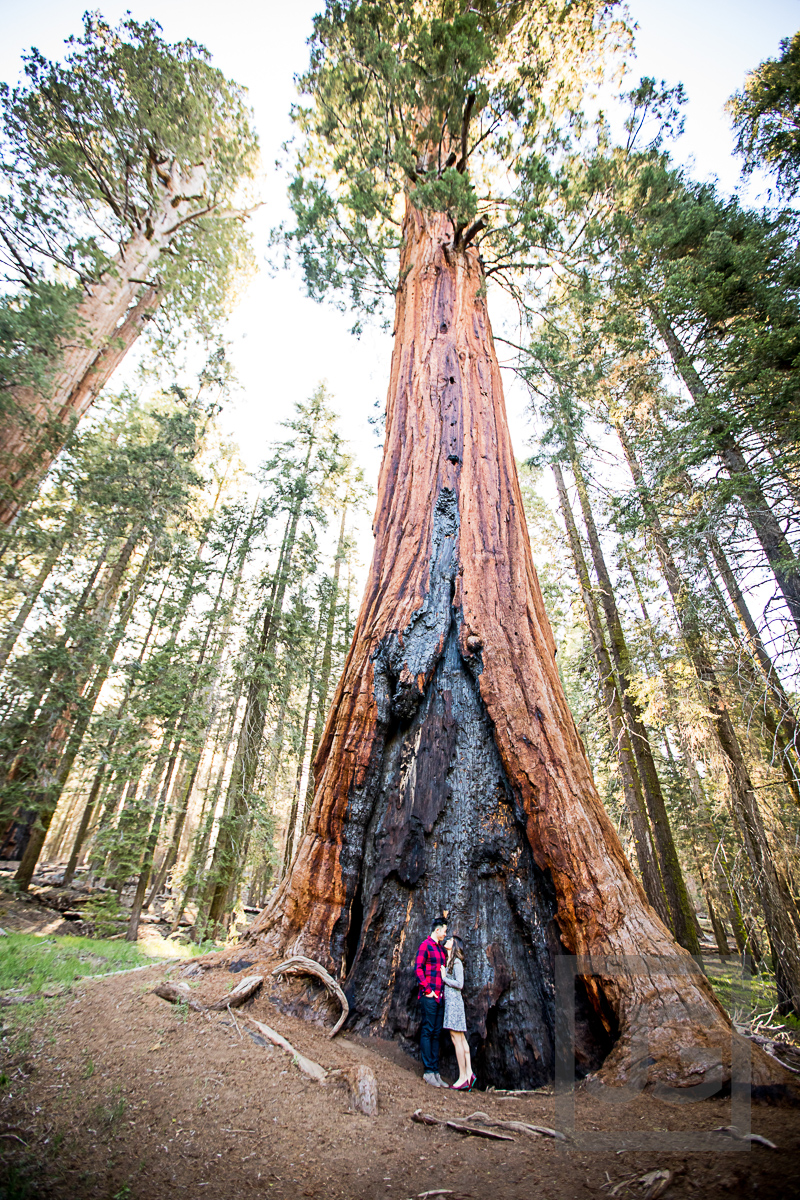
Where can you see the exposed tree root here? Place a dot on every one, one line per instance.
(300, 965)
(244, 989)
(306, 1065)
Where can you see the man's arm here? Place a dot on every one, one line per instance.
(421, 964)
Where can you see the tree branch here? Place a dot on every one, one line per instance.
(461, 166)
(474, 229)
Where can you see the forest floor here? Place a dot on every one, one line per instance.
(109, 1092)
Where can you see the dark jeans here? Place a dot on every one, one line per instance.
(432, 1017)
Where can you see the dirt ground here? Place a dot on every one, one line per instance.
(122, 1096)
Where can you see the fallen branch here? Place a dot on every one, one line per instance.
(243, 991)
(306, 1065)
(655, 1184)
(232, 1015)
(756, 1138)
(460, 1126)
(511, 1094)
(300, 965)
(772, 1048)
(517, 1126)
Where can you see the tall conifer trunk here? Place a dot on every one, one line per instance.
(450, 774)
(677, 894)
(775, 898)
(111, 315)
(776, 546)
(629, 776)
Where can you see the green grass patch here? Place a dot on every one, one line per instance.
(30, 965)
(744, 997)
(48, 967)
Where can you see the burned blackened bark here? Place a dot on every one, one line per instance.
(451, 773)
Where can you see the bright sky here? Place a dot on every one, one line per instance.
(283, 343)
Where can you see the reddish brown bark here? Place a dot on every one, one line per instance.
(450, 772)
(34, 439)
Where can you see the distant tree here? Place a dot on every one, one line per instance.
(121, 168)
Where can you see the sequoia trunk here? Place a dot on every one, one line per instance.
(450, 774)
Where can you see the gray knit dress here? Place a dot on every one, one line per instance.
(453, 1000)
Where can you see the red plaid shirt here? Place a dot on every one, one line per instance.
(430, 960)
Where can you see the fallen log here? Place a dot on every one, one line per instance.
(178, 993)
(298, 964)
(306, 1065)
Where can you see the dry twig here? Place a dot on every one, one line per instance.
(756, 1138)
(460, 1126)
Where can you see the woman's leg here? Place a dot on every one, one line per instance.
(467, 1058)
(458, 1046)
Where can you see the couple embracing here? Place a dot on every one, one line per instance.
(440, 971)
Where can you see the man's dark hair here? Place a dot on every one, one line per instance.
(437, 921)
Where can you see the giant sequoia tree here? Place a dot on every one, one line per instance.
(450, 773)
(120, 171)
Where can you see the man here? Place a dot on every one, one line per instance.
(430, 960)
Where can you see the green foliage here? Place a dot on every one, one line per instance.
(31, 324)
(457, 112)
(766, 116)
(131, 477)
(86, 148)
(728, 279)
(106, 913)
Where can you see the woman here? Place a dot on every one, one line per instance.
(454, 1019)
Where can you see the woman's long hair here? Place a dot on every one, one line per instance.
(455, 951)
